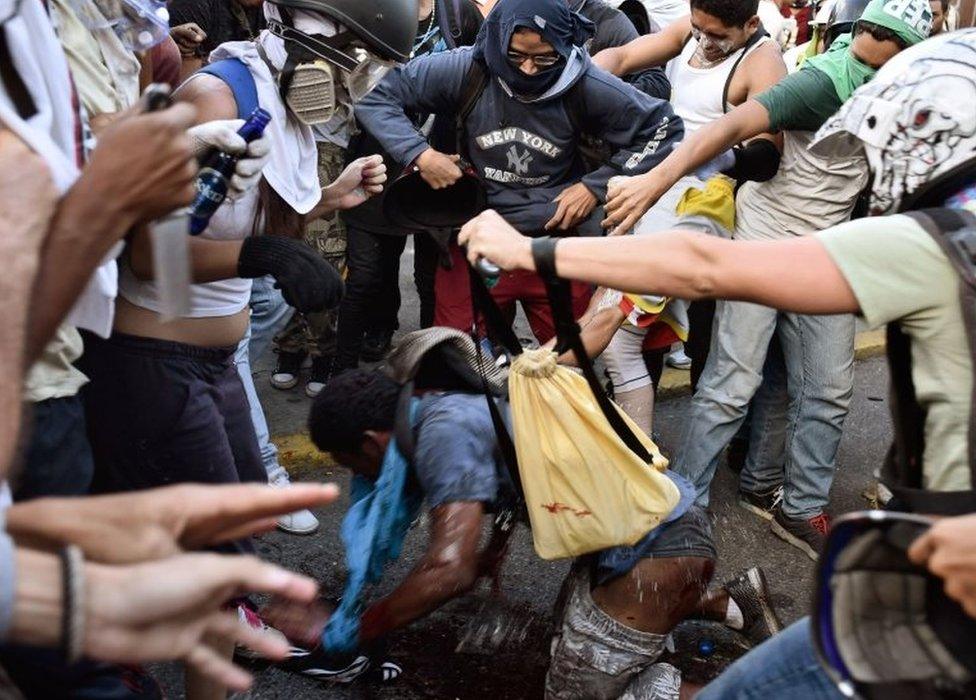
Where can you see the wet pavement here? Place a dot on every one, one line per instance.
(426, 649)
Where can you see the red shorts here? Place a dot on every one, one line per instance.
(452, 294)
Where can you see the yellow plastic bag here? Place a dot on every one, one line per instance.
(584, 489)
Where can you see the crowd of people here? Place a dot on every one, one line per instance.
(738, 183)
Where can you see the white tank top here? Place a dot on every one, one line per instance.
(234, 220)
(696, 93)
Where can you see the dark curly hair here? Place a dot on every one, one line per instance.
(731, 13)
(349, 405)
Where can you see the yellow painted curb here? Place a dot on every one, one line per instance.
(297, 453)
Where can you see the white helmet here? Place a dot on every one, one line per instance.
(915, 122)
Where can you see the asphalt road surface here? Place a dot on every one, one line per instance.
(426, 649)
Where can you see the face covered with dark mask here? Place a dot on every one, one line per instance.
(527, 43)
(326, 69)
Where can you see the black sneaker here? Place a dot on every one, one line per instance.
(285, 375)
(750, 592)
(320, 374)
(806, 535)
(762, 503)
(376, 343)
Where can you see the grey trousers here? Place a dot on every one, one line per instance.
(598, 658)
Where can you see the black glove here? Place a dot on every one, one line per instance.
(307, 282)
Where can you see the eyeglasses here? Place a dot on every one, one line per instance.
(517, 58)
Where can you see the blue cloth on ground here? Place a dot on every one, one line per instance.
(372, 532)
(618, 561)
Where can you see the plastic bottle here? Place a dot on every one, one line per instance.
(216, 171)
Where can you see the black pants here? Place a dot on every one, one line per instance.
(701, 316)
(372, 299)
(58, 459)
(162, 413)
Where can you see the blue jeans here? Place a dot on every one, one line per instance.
(819, 356)
(269, 314)
(784, 667)
(766, 429)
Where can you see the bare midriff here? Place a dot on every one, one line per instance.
(209, 332)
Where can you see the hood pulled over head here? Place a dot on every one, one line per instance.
(552, 19)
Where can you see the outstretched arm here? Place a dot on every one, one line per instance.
(647, 51)
(627, 204)
(794, 275)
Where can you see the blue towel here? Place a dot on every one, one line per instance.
(373, 532)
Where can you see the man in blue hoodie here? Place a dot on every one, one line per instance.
(541, 95)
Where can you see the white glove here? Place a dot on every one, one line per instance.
(252, 157)
(722, 161)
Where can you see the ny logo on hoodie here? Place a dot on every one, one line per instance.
(519, 162)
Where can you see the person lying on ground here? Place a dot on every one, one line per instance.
(639, 593)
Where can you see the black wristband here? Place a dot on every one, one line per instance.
(544, 256)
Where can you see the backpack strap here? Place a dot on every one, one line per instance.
(448, 15)
(756, 37)
(568, 336)
(235, 73)
(475, 82)
(955, 233)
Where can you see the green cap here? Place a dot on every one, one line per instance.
(909, 19)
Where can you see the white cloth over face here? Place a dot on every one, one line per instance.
(293, 171)
(51, 133)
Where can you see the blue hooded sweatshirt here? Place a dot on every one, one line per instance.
(519, 136)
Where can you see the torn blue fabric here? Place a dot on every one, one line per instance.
(373, 532)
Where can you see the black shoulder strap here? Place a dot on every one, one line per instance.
(568, 335)
(955, 233)
(483, 304)
(753, 40)
(449, 19)
(474, 84)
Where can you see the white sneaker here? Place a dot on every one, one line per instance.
(313, 389)
(301, 522)
(679, 360)
(286, 371)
